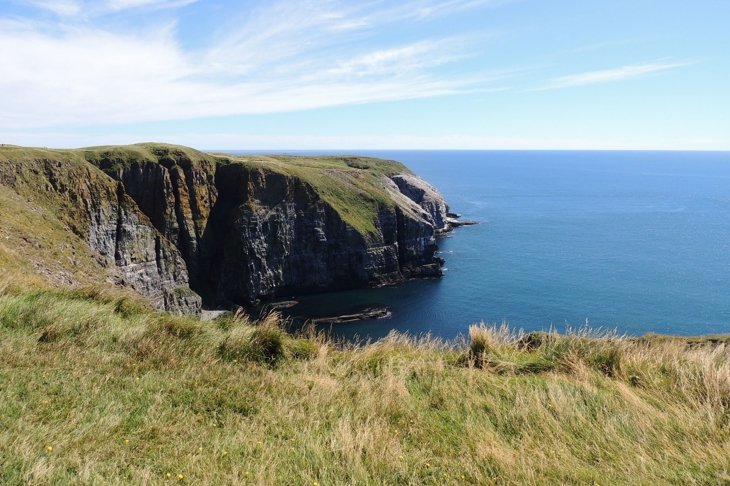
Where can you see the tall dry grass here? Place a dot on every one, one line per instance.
(126, 396)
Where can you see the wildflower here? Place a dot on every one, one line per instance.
(126, 441)
(49, 448)
(225, 453)
(168, 475)
(200, 449)
(180, 477)
(316, 483)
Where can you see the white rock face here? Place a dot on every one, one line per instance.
(426, 196)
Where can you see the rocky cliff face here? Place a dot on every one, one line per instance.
(426, 196)
(169, 219)
(101, 214)
(272, 235)
(175, 193)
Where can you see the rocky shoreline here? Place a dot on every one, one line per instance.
(365, 314)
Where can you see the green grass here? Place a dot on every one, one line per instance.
(126, 396)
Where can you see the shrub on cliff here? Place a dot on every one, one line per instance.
(264, 343)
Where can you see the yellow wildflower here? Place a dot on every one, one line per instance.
(49, 448)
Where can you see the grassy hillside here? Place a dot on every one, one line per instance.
(94, 389)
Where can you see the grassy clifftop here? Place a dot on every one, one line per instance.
(95, 389)
(353, 186)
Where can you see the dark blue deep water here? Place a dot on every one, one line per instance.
(632, 241)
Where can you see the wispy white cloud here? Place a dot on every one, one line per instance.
(59, 7)
(403, 59)
(283, 56)
(622, 73)
(426, 10)
(117, 5)
(88, 8)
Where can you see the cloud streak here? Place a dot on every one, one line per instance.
(623, 73)
(284, 56)
(86, 9)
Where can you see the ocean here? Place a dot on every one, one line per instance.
(634, 242)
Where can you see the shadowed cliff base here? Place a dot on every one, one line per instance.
(174, 224)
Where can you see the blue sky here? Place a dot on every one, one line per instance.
(451, 74)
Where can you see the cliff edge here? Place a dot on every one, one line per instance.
(183, 227)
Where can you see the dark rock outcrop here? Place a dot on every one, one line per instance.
(177, 195)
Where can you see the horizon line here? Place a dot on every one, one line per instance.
(400, 149)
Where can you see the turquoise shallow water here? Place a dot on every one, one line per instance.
(632, 241)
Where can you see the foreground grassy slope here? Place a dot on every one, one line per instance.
(96, 389)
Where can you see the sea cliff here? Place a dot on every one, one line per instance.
(182, 227)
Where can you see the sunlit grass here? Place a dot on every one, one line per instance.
(96, 389)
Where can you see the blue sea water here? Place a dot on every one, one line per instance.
(632, 241)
